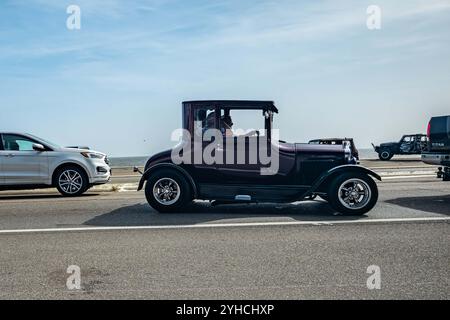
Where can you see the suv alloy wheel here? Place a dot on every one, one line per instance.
(71, 181)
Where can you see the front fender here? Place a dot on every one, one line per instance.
(376, 148)
(158, 166)
(341, 169)
(53, 166)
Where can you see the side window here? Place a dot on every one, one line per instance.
(204, 119)
(17, 143)
(241, 122)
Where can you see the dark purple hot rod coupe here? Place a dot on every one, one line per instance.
(241, 173)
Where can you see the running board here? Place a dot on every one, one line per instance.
(240, 198)
(243, 197)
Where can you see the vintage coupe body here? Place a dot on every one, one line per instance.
(304, 171)
(338, 141)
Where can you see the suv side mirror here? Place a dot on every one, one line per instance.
(38, 147)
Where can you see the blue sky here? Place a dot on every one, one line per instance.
(118, 82)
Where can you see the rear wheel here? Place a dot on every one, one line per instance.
(71, 181)
(353, 193)
(168, 191)
(385, 155)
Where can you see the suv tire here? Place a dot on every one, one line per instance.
(385, 155)
(71, 181)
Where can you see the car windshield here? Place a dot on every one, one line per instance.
(48, 143)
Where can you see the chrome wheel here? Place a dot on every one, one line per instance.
(70, 181)
(166, 191)
(354, 194)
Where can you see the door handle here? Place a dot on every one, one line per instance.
(10, 155)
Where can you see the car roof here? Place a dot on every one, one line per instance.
(15, 133)
(237, 104)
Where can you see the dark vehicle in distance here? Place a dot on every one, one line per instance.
(409, 144)
(438, 151)
(305, 170)
(338, 141)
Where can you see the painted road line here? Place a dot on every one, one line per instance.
(408, 177)
(229, 225)
(425, 166)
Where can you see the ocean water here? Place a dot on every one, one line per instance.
(365, 154)
(128, 161)
(140, 161)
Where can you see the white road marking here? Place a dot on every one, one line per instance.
(408, 177)
(230, 225)
(425, 166)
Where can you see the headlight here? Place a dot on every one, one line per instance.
(92, 155)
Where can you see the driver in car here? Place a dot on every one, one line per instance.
(227, 128)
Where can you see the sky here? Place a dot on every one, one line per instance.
(117, 83)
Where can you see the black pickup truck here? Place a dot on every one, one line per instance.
(438, 151)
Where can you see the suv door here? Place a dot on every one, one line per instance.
(423, 143)
(407, 144)
(21, 165)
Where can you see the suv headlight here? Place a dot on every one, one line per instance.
(92, 155)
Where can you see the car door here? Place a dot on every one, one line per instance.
(247, 157)
(240, 160)
(21, 165)
(423, 143)
(406, 144)
(204, 119)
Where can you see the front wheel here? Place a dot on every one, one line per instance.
(353, 193)
(385, 155)
(168, 191)
(71, 181)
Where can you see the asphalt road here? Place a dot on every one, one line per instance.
(298, 251)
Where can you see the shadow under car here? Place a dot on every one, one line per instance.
(434, 204)
(203, 212)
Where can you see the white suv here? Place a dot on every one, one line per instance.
(28, 162)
